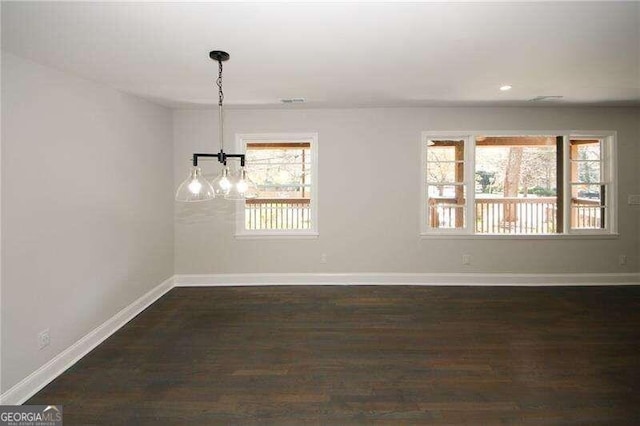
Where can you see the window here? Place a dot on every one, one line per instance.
(520, 184)
(588, 189)
(285, 169)
(445, 183)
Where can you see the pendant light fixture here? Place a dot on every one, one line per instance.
(228, 185)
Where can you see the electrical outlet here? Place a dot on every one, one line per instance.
(44, 339)
(622, 260)
(323, 258)
(633, 200)
(466, 259)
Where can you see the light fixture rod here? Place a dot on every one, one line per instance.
(220, 128)
(220, 100)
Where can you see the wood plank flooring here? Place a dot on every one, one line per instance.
(345, 355)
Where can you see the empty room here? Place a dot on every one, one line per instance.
(320, 213)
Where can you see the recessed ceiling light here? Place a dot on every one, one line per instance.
(506, 87)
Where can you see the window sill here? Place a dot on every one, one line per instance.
(519, 237)
(278, 236)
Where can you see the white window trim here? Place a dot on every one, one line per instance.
(469, 136)
(610, 176)
(468, 152)
(241, 146)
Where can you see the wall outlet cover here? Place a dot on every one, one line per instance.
(634, 200)
(44, 339)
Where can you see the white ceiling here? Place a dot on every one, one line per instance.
(350, 54)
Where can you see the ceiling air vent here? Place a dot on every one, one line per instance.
(546, 98)
(292, 100)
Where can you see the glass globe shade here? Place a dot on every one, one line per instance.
(195, 188)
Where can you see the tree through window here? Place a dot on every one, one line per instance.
(522, 196)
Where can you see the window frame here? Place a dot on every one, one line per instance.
(241, 141)
(609, 176)
(469, 149)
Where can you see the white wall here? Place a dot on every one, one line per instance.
(87, 222)
(375, 227)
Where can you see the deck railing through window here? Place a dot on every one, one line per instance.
(516, 215)
(278, 214)
(586, 213)
(501, 215)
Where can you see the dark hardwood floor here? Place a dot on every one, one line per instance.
(365, 355)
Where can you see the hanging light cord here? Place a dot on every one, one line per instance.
(220, 99)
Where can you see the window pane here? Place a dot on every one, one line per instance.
(585, 164)
(587, 208)
(446, 216)
(294, 191)
(587, 193)
(585, 171)
(531, 215)
(446, 206)
(445, 150)
(275, 172)
(445, 172)
(584, 216)
(516, 185)
(451, 192)
(585, 149)
(280, 214)
(283, 173)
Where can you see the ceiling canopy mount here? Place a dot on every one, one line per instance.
(219, 55)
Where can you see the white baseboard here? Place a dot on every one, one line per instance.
(31, 384)
(439, 279)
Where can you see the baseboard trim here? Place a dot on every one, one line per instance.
(433, 279)
(31, 384)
